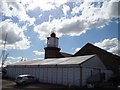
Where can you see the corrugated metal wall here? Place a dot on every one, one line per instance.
(63, 76)
(74, 76)
(59, 75)
(108, 74)
(90, 73)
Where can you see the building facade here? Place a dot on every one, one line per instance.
(89, 64)
(74, 71)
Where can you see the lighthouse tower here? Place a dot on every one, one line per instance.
(52, 50)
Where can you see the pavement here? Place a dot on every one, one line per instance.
(10, 84)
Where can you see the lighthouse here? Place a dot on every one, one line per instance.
(52, 41)
(52, 50)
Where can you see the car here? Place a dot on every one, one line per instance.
(25, 79)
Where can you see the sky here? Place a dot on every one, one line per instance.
(28, 23)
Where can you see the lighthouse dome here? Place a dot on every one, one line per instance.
(53, 34)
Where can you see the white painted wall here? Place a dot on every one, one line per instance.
(52, 42)
(77, 77)
(86, 73)
(54, 76)
(94, 62)
(108, 74)
(49, 75)
(58, 75)
(45, 75)
(70, 76)
(64, 76)
(41, 74)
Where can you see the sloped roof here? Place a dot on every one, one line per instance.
(26, 62)
(110, 60)
(65, 54)
(57, 61)
(77, 60)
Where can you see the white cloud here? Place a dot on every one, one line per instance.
(44, 5)
(7, 62)
(115, 50)
(111, 45)
(50, 16)
(40, 15)
(65, 9)
(91, 17)
(107, 43)
(77, 49)
(108, 10)
(15, 8)
(38, 52)
(73, 27)
(14, 58)
(15, 36)
(44, 30)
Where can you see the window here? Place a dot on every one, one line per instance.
(19, 78)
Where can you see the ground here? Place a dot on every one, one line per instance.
(10, 84)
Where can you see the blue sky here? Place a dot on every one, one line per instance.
(29, 22)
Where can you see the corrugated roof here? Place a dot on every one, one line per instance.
(51, 61)
(57, 61)
(77, 60)
(26, 62)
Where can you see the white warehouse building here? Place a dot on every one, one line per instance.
(74, 71)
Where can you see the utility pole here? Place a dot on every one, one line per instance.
(4, 55)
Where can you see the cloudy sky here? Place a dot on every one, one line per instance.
(76, 22)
